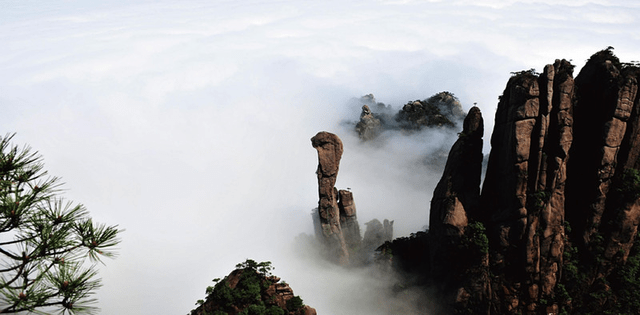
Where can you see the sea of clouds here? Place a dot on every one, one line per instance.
(187, 123)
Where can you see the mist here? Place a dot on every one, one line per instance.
(188, 123)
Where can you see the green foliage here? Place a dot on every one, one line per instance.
(222, 295)
(567, 227)
(573, 281)
(625, 283)
(526, 73)
(249, 294)
(606, 54)
(629, 185)
(295, 303)
(441, 109)
(408, 254)
(255, 309)
(47, 242)
(618, 293)
(262, 268)
(562, 294)
(538, 200)
(274, 310)
(476, 237)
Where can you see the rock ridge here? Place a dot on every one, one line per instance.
(335, 219)
(554, 228)
(441, 110)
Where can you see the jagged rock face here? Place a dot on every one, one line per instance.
(564, 153)
(348, 219)
(276, 294)
(523, 197)
(368, 127)
(376, 234)
(455, 200)
(442, 109)
(608, 115)
(458, 191)
(448, 104)
(335, 220)
(329, 148)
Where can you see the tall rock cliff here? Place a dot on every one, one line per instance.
(523, 196)
(554, 227)
(559, 147)
(336, 217)
(455, 201)
(329, 148)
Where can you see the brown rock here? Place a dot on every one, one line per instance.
(329, 148)
(607, 135)
(276, 294)
(368, 127)
(336, 222)
(348, 220)
(522, 203)
(440, 110)
(559, 149)
(308, 310)
(454, 203)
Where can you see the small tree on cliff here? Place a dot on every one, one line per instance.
(45, 241)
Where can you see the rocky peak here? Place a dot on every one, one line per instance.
(336, 217)
(369, 126)
(329, 148)
(442, 109)
(554, 228)
(455, 203)
(554, 162)
(251, 289)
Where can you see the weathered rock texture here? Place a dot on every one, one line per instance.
(336, 221)
(369, 126)
(554, 159)
(273, 293)
(440, 110)
(523, 197)
(329, 148)
(348, 219)
(455, 201)
(458, 192)
(558, 214)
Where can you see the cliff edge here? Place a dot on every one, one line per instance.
(554, 228)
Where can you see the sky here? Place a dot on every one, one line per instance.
(188, 123)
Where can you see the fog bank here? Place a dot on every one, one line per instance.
(188, 123)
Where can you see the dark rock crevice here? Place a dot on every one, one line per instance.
(560, 203)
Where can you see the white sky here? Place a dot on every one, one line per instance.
(188, 122)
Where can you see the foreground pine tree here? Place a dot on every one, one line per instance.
(48, 247)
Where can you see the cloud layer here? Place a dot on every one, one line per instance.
(188, 123)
